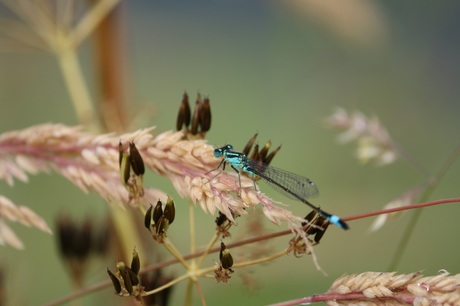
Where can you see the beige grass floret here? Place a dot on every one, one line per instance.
(414, 288)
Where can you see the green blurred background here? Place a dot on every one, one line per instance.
(278, 68)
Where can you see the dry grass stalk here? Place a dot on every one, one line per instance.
(378, 288)
(91, 163)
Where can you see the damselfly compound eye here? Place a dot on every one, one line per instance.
(217, 152)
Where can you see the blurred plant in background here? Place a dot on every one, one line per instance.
(101, 157)
(372, 137)
(375, 143)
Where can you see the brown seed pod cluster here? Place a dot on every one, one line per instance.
(197, 124)
(126, 279)
(314, 225)
(157, 220)
(261, 155)
(224, 269)
(132, 170)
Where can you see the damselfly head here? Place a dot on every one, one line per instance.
(218, 152)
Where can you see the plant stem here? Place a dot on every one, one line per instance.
(208, 248)
(200, 292)
(191, 213)
(172, 249)
(260, 260)
(188, 293)
(126, 232)
(401, 248)
(169, 284)
(78, 91)
(91, 20)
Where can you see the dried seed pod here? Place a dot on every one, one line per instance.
(82, 243)
(148, 217)
(135, 262)
(162, 225)
(199, 122)
(170, 210)
(136, 161)
(196, 116)
(205, 115)
(222, 248)
(78, 241)
(125, 276)
(120, 153)
(66, 230)
(157, 212)
(131, 171)
(255, 153)
(115, 281)
(125, 165)
(249, 145)
(321, 232)
(220, 219)
(260, 155)
(132, 277)
(270, 156)
(183, 117)
(309, 229)
(224, 224)
(316, 225)
(263, 153)
(187, 112)
(225, 257)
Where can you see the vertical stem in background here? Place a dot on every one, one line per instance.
(213, 241)
(403, 243)
(111, 70)
(192, 230)
(89, 22)
(104, 20)
(193, 267)
(189, 293)
(75, 83)
(126, 233)
(101, 21)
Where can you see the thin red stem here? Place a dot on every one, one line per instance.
(411, 206)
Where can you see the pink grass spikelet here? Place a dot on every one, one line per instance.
(91, 162)
(14, 213)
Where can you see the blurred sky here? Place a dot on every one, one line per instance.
(278, 68)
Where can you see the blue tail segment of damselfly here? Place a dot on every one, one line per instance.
(292, 185)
